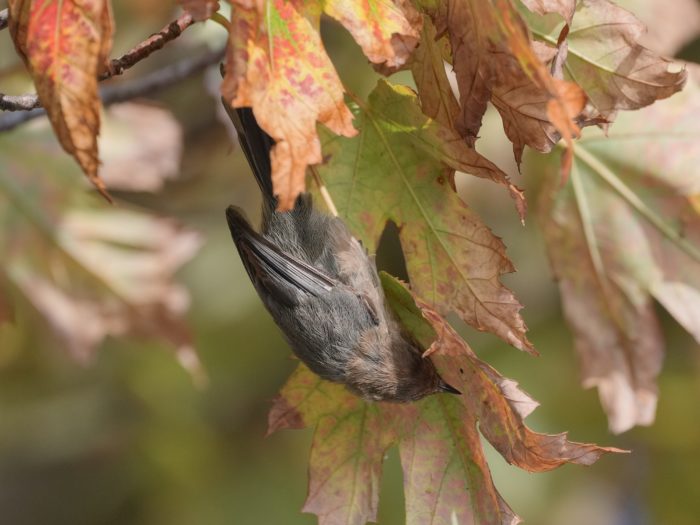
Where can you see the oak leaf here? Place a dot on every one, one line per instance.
(65, 46)
(446, 477)
(400, 168)
(622, 232)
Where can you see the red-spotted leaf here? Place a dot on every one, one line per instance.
(277, 65)
(400, 168)
(446, 477)
(624, 231)
(65, 46)
(387, 30)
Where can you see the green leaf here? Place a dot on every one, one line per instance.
(400, 167)
(446, 477)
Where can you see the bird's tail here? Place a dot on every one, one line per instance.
(256, 144)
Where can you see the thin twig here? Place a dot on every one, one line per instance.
(146, 85)
(115, 67)
(3, 18)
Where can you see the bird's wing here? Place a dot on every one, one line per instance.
(282, 275)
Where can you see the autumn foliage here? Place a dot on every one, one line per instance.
(617, 203)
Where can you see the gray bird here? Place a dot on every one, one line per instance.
(323, 291)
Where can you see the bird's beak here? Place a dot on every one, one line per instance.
(444, 387)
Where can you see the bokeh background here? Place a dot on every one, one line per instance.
(129, 439)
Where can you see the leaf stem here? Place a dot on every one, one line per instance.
(637, 203)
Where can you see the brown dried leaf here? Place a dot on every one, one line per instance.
(65, 46)
(446, 477)
(493, 60)
(624, 231)
(565, 8)
(428, 68)
(605, 59)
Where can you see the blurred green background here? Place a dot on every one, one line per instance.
(129, 439)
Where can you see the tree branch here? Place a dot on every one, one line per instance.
(3, 18)
(146, 85)
(115, 66)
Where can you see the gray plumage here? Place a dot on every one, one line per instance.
(323, 291)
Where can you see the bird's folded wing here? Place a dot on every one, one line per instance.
(280, 273)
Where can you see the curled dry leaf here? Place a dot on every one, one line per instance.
(65, 46)
(200, 9)
(141, 147)
(277, 65)
(625, 231)
(605, 59)
(494, 61)
(400, 168)
(446, 477)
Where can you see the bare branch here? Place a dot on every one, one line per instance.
(115, 66)
(146, 85)
(3, 18)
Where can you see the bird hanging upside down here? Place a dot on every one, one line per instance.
(323, 291)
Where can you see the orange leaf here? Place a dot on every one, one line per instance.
(65, 45)
(277, 65)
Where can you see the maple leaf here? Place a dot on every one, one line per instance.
(386, 30)
(605, 59)
(276, 64)
(89, 272)
(400, 168)
(625, 231)
(65, 46)
(494, 61)
(446, 477)
(564, 8)
(200, 9)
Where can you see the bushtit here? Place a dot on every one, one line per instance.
(323, 291)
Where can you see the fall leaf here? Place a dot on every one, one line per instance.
(494, 60)
(277, 65)
(386, 30)
(668, 30)
(89, 272)
(400, 168)
(200, 9)
(141, 147)
(565, 8)
(428, 67)
(65, 46)
(446, 477)
(605, 59)
(624, 231)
